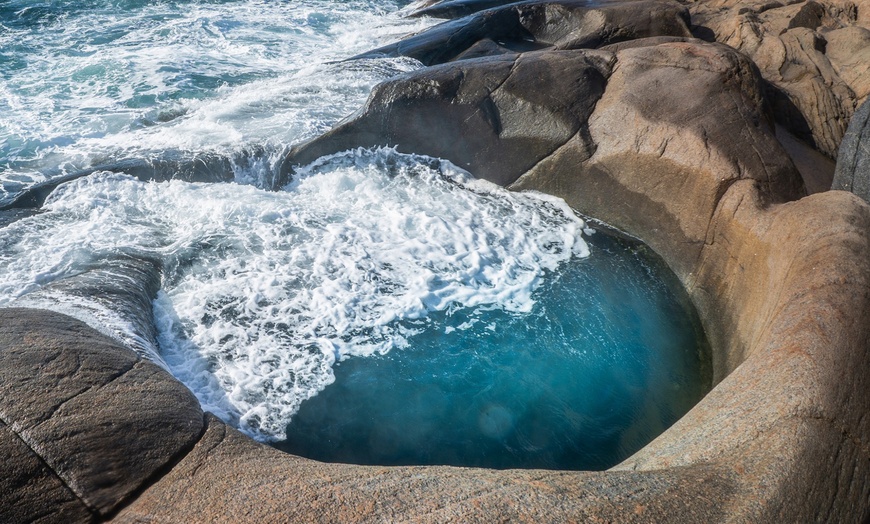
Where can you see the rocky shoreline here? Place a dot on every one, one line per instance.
(700, 128)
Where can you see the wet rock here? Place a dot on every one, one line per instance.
(118, 288)
(616, 120)
(98, 418)
(457, 8)
(853, 164)
(496, 117)
(528, 26)
(171, 166)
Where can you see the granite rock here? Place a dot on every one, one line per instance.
(853, 164)
(101, 421)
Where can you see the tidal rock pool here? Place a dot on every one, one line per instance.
(388, 308)
(609, 356)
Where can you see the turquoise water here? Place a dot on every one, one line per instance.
(372, 280)
(608, 358)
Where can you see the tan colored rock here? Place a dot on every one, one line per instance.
(814, 53)
(685, 156)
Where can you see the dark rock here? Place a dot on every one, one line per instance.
(104, 421)
(526, 26)
(122, 284)
(459, 8)
(13, 215)
(692, 107)
(496, 117)
(172, 166)
(810, 16)
(30, 491)
(853, 163)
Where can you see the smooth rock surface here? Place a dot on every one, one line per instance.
(670, 140)
(29, 490)
(114, 296)
(101, 419)
(496, 116)
(853, 164)
(688, 106)
(782, 284)
(526, 26)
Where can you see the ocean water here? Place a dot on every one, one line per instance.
(274, 304)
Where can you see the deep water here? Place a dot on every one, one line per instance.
(391, 308)
(610, 356)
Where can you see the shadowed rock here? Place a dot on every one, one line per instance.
(853, 164)
(459, 8)
(686, 106)
(118, 286)
(29, 490)
(101, 419)
(528, 26)
(496, 117)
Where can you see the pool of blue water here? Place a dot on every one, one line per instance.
(610, 356)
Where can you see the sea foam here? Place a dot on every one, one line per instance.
(264, 291)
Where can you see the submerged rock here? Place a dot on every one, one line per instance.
(177, 165)
(121, 286)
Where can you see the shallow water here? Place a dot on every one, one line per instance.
(401, 268)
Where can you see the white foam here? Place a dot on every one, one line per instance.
(264, 291)
(102, 82)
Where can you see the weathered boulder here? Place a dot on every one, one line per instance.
(86, 422)
(526, 26)
(689, 107)
(496, 117)
(815, 54)
(853, 164)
